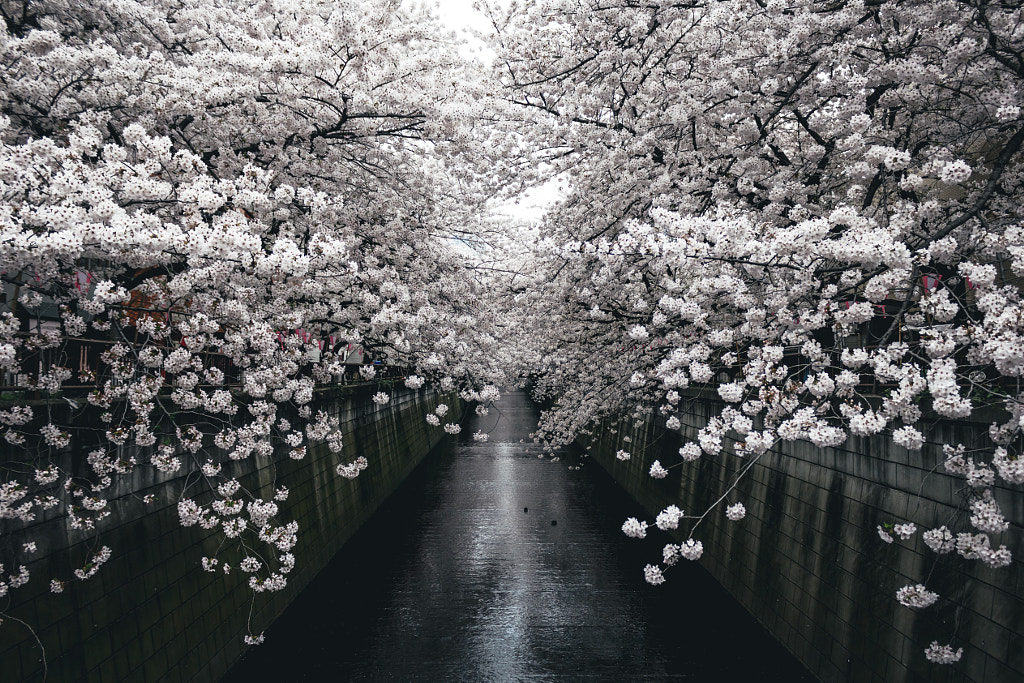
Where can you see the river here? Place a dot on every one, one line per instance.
(493, 564)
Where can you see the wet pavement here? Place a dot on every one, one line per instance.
(491, 564)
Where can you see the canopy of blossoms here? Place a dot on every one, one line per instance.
(789, 202)
(783, 200)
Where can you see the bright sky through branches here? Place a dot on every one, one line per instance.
(459, 16)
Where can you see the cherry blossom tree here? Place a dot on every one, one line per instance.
(212, 198)
(790, 202)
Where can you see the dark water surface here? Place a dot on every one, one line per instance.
(454, 580)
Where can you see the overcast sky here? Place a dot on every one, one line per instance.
(459, 15)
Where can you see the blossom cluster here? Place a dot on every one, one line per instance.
(916, 596)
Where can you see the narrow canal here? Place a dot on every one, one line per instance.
(492, 564)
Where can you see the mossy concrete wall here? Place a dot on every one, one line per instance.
(808, 563)
(151, 613)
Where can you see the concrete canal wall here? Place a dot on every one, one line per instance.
(151, 613)
(807, 560)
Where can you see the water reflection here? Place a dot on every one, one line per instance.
(491, 564)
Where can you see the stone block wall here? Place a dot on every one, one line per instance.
(151, 613)
(808, 562)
